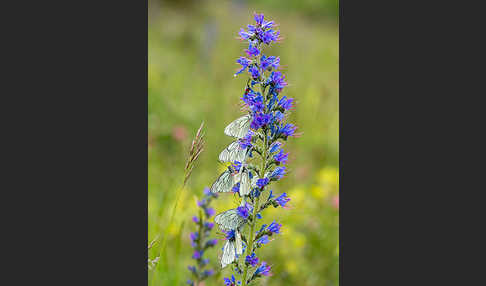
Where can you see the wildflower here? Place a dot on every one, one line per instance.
(231, 282)
(244, 62)
(255, 72)
(263, 239)
(264, 269)
(278, 173)
(189, 282)
(277, 82)
(230, 234)
(268, 63)
(281, 158)
(236, 165)
(252, 50)
(274, 227)
(244, 35)
(260, 120)
(200, 240)
(282, 199)
(245, 142)
(286, 103)
(251, 259)
(262, 182)
(236, 188)
(243, 211)
(287, 130)
(270, 36)
(275, 146)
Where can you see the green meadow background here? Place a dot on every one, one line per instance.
(192, 51)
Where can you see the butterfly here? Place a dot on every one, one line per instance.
(225, 182)
(233, 153)
(238, 128)
(243, 177)
(229, 220)
(231, 249)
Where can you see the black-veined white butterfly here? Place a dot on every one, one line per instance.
(233, 153)
(225, 182)
(238, 128)
(229, 220)
(243, 177)
(231, 249)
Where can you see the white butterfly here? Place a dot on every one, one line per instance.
(238, 128)
(243, 177)
(229, 220)
(231, 249)
(224, 183)
(233, 153)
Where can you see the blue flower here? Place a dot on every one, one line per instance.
(212, 242)
(269, 62)
(231, 282)
(278, 173)
(230, 234)
(275, 146)
(279, 116)
(245, 142)
(264, 269)
(194, 236)
(281, 158)
(236, 188)
(258, 18)
(270, 36)
(192, 268)
(260, 120)
(197, 254)
(207, 273)
(243, 211)
(282, 199)
(201, 203)
(262, 182)
(263, 240)
(195, 219)
(286, 103)
(255, 72)
(277, 80)
(209, 225)
(236, 165)
(287, 130)
(244, 62)
(244, 35)
(274, 227)
(190, 282)
(252, 50)
(251, 260)
(210, 212)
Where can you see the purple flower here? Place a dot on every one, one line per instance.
(194, 236)
(277, 80)
(278, 173)
(245, 142)
(259, 120)
(244, 35)
(270, 36)
(231, 282)
(264, 269)
(251, 260)
(210, 212)
(288, 130)
(211, 242)
(281, 157)
(269, 62)
(196, 255)
(244, 62)
(201, 203)
(263, 240)
(189, 282)
(230, 234)
(236, 165)
(258, 18)
(192, 268)
(207, 273)
(275, 146)
(236, 188)
(262, 182)
(279, 116)
(255, 72)
(243, 211)
(286, 103)
(209, 225)
(252, 50)
(282, 199)
(195, 219)
(274, 227)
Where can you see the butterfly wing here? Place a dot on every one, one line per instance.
(245, 183)
(229, 254)
(238, 128)
(233, 153)
(223, 183)
(238, 243)
(229, 220)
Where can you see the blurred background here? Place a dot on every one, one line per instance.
(192, 53)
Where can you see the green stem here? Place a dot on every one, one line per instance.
(256, 206)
